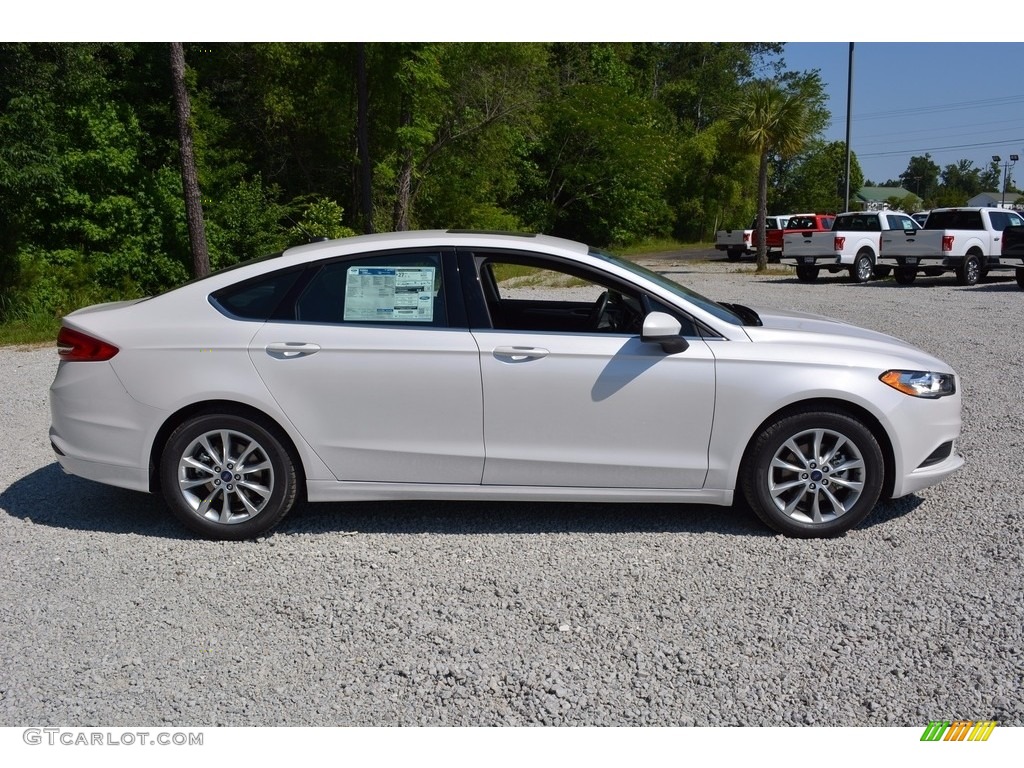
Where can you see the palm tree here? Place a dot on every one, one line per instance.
(768, 120)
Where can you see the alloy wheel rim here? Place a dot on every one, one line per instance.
(816, 476)
(225, 476)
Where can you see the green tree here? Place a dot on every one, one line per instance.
(87, 217)
(921, 177)
(960, 182)
(604, 164)
(473, 101)
(770, 122)
(819, 179)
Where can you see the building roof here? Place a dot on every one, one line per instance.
(881, 194)
(995, 198)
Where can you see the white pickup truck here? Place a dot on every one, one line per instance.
(852, 245)
(739, 242)
(967, 241)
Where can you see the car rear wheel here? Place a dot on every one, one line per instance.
(862, 267)
(807, 273)
(969, 270)
(227, 477)
(1019, 272)
(905, 275)
(813, 474)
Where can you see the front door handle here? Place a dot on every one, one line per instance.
(520, 354)
(287, 350)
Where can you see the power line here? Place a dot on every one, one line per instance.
(941, 149)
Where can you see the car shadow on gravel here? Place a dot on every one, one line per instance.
(52, 498)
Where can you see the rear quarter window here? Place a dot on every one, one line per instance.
(255, 299)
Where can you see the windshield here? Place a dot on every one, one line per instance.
(709, 306)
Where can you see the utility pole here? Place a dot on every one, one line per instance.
(849, 108)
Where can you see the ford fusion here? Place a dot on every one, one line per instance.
(462, 365)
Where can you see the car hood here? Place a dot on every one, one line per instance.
(809, 330)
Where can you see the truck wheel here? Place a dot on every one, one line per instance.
(905, 275)
(860, 272)
(969, 270)
(1020, 276)
(733, 254)
(806, 273)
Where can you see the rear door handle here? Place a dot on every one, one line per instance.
(287, 350)
(520, 354)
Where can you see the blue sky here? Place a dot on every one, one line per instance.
(953, 100)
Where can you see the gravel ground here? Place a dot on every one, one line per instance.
(520, 614)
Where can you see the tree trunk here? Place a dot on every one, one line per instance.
(762, 214)
(403, 194)
(363, 131)
(403, 185)
(189, 176)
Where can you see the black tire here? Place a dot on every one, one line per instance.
(1019, 272)
(863, 265)
(905, 275)
(834, 488)
(807, 273)
(969, 270)
(733, 255)
(239, 499)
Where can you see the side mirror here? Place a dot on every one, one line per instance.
(661, 328)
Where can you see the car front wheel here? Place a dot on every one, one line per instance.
(813, 474)
(227, 477)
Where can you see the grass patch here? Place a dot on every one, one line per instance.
(31, 330)
(658, 245)
(520, 276)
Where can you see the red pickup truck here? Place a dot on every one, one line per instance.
(798, 222)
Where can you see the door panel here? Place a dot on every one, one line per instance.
(386, 404)
(594, 410)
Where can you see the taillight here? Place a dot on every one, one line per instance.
(840, 242)
(76, 346)
(947, 242)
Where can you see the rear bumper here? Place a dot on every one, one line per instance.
(97, 430)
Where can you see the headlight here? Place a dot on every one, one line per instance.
(921, 383)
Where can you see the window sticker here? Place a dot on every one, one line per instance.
(389, 294)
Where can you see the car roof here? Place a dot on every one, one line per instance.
(434, 238)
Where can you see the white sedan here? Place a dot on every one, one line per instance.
(461, 365)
